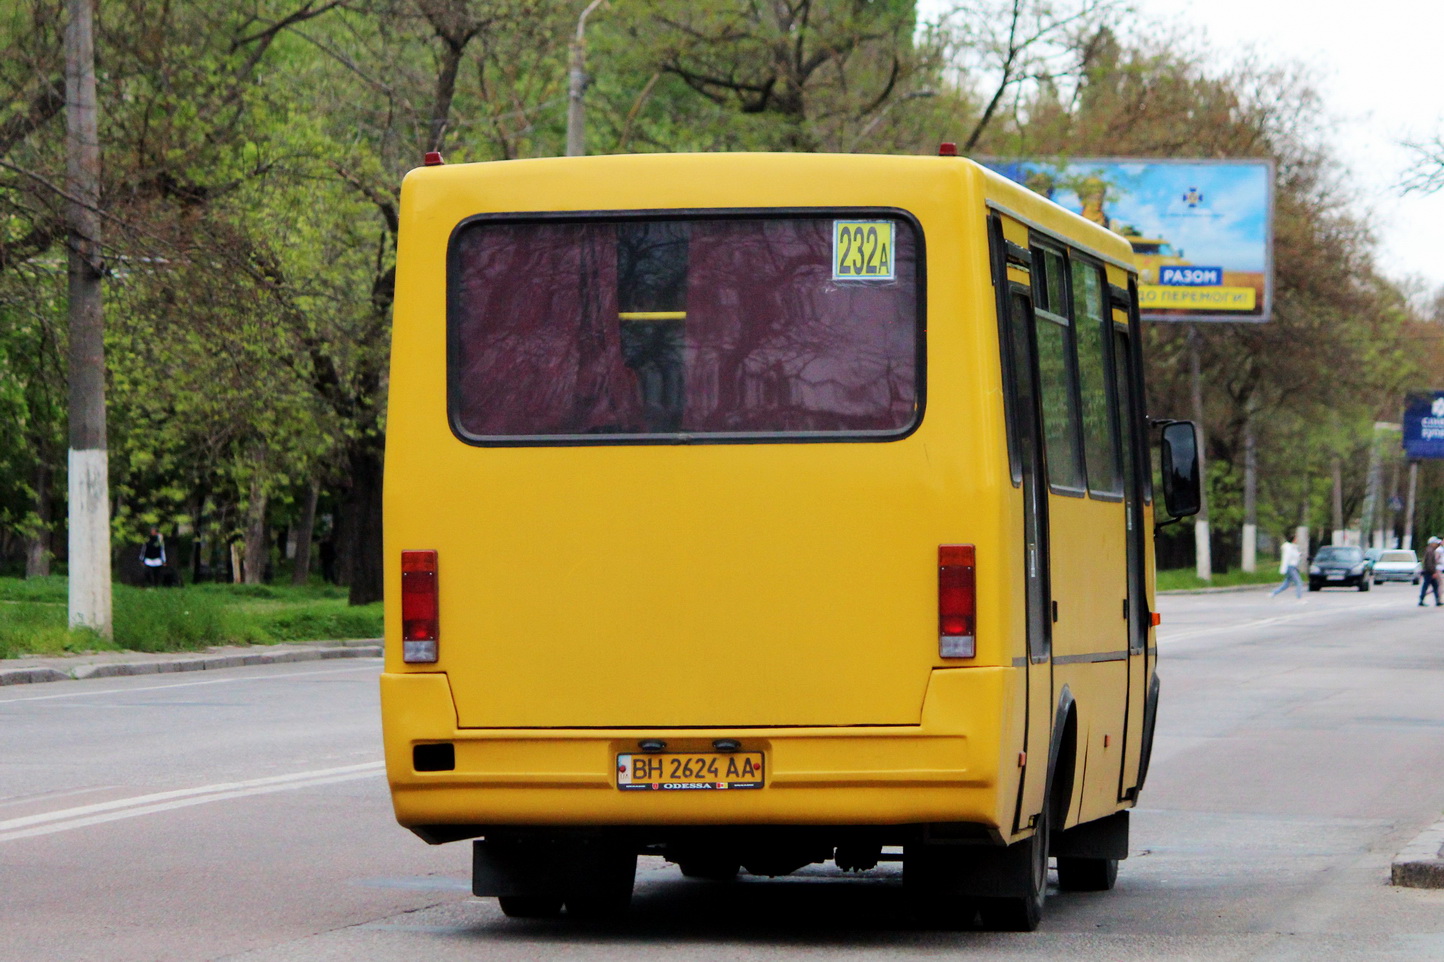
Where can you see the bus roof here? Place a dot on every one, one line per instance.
(663, 181)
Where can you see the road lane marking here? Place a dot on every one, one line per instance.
(193, 684)
(1183, 634)
(10, 800)
(63, 820)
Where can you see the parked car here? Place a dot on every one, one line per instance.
(1341, 566)
(1398, 565)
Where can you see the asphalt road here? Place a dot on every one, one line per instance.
(244, 815)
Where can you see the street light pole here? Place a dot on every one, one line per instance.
(577, 85)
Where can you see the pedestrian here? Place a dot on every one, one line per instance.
(1431, 572)
(152, 556)
(1289, 558)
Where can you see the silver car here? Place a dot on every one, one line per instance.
(1398, 565)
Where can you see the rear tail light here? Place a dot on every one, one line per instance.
(957, 601)
(419, 620)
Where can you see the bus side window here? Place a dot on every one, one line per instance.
(1126, 409)
(998, 246)
(1100, 449)
(1055, 371)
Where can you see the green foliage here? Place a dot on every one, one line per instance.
(50, 590)
(181, 619)
(254, 154)
(33, 617)
(1186, 579)
(329, 621)
(40, 629)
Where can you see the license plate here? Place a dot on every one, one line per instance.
(1336, 577)
(689, 771)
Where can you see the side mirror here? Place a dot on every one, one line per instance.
(1178, 464)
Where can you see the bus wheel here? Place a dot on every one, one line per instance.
(714, 869)
(937, 880)
(1022, 910)
(949, 914)
(1087, 874)
(607, 891)
(530, 906)
(600, 906)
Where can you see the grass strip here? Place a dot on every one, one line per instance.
(33, 617)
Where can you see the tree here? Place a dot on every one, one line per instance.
(1334, 359)
(782, 74)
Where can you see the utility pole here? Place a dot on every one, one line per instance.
(1202, 553)
(1338, 501)
(1250, 490)
(1377, 509)
(1368, 519)
(89, 482)
(577, 86)
(1408, 541)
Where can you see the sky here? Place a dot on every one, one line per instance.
(1379, 67)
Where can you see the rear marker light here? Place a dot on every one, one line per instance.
(956, 601)
(419, 614)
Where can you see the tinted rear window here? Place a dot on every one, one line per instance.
(610, 329)
(1340, 554)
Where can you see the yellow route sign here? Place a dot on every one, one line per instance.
(862, 250)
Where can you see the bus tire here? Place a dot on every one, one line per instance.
(530, 906)
(1021, 911)
(606, 892)
(716, 869)
(599, 906)
(1087, 874)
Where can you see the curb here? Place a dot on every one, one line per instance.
(370, 648)
(30, 676)
(1214, 591)
(1421, 864)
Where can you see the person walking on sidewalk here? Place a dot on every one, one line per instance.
(1289, 558)
(1431, 572)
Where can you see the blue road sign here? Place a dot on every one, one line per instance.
(1424, 425)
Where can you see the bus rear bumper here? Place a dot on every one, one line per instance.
(942, 770)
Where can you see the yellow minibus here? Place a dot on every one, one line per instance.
(758, 510)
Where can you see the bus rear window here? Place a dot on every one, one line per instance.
(607, 330)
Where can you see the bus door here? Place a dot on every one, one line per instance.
(1133, 444)
(1027, 428)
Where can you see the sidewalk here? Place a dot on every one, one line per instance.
(110, 664)
(1421, 864)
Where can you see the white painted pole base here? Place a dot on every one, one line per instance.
(1203, 554)
(1250, 547)
(90, 542)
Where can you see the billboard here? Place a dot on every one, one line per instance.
(1201, 230)
(1424, 426)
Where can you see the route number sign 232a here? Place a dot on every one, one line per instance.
(862, 250)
